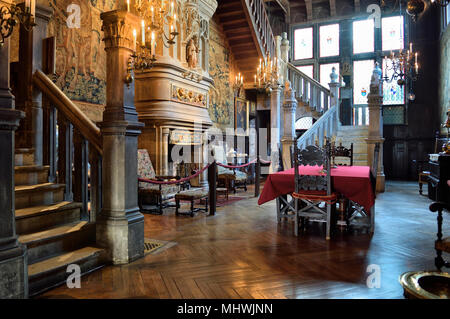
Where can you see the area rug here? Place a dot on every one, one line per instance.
(155, 246)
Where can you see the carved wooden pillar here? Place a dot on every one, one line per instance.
(275, 113)
(289, 109)
(375, 103)
(120, 225)
(334, 98)
(13, 255)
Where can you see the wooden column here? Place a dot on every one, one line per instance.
(375, 101)
(13, 255)
(120, 225)
(289, 109)
(275, 113)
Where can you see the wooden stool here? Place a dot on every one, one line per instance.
(222, 191)
(191, 196)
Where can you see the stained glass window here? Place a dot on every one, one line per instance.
(307, 69)
(392, 33)
(363, 36)
(329, 40)
(392, 92)
(304, 123)
(303, 43)
(325, 71)
(362, 73)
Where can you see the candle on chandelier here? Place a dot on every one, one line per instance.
(153, 14)
(242, 80)
(255, 79)
(134, 39)
(33, 7)
(128, 5)
(143, 32)
(153, 43)
(27, 5)
(416, 58)
(171, 8)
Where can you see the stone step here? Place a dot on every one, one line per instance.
(62, 239)
(38, 194)
(24, 156)
(30, 174)
(52, 272)
(33, 219)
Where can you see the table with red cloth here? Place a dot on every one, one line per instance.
(354, 182)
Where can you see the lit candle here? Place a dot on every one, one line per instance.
(171, 28)
(416, 58)
(27, 5)
(255, 79)
(153, 43)
(134, 40)
(33, 7)
(171, 8)
(153, 15)
(417, 68)
(143, 32)
(128, 5)
(242, 80)
(410, 47)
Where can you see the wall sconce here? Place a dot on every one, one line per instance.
(12, 15)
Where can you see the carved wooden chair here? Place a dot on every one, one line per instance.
(313, 190)
(342, 152)
(153, 198)
(357, 215)
(441, 244)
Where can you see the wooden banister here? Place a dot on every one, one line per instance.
(70, 111)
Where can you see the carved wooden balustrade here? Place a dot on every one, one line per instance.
(260, 20)
(72, 148)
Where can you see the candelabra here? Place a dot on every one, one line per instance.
(157, 14)
(401, 66)
(238, 84)
(12, 15)
(268, 74)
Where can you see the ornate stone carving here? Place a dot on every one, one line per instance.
(188, 96)
(118, 29)
(290, 101)
(192, 53)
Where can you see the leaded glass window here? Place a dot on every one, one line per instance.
(392, 33)
(392, 92)
(362, 73)
(329, 40)
(307, 69)
(363, 36)
(304, 123)
(303, 43)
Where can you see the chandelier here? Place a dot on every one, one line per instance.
(401, 66)
(12, 15)
(158, 22)
(268, 74)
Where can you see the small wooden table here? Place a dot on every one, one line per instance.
(190, 196)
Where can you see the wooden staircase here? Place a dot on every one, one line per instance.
(50, 227)
(248, 31)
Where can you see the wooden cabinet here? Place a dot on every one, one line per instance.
(438, 189)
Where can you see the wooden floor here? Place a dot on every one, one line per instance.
(243, 253)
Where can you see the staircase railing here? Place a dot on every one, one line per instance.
(73, 145)
(261, 24)
(325, 126)
(308, 90)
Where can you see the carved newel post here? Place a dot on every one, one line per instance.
(375, 103)
(334, 97)
(120, 226)
(13, 255)
(275, 114)
(289, 109)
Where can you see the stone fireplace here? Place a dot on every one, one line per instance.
(172, 98)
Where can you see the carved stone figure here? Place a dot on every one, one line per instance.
(191, 54)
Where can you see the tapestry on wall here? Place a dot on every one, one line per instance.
(80, 54)
(221, 95)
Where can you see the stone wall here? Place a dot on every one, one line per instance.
(444, 77)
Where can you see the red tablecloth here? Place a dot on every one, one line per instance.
(354, 182)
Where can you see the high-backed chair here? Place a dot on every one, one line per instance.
(342, 152)
(226, 175)
(153, 195)
(312, 190)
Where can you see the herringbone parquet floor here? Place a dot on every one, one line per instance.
(243, 253)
